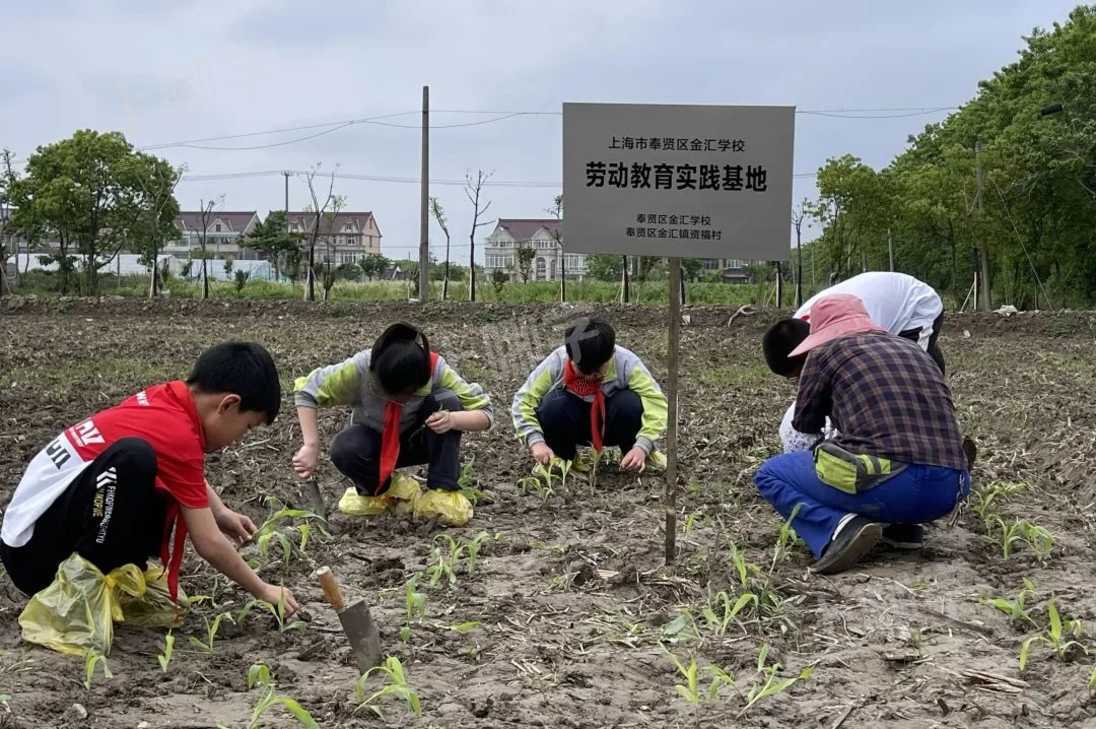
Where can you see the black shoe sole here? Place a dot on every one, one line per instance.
(863, 541)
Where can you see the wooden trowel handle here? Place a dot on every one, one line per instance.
(331, 589)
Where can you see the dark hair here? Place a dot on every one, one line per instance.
(590, 343)
(398, 361)
(240, 368)
(778, 343)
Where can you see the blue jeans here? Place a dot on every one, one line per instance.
(916, 495)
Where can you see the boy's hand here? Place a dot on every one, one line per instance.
(541, 453)
(275, 595)
(237, 527)
(634, 460)
(440, 421)
(305, 460)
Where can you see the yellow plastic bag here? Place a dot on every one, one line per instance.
(155, 609)
(405, 490)
(76, 613)
(354, 504)
(449, 507)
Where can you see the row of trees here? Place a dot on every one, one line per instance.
(1004, 188)
(95, 195)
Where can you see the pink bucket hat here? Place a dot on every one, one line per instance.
(839, 315)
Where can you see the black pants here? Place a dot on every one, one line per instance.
(914, 335)
(565, 419)
(356, 451)
(110, 515)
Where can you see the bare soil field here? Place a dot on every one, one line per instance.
(570, 615)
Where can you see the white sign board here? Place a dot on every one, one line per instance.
(678, 181)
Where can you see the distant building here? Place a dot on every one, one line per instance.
(224, 234)
(344, 238)
(500, 252)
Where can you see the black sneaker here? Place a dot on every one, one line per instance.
(904, 536)
(852, 542)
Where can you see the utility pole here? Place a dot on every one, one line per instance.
(624, 282)
(890, 248)
(286, 174)
(799, 274)
(779, 285)
(424, 201)
(983, 256)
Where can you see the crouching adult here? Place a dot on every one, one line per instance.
(897, 460)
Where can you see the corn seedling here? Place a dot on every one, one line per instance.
(211, 631)
(91, 660)
(785, 537)
(291, 539)
(165, 656)
(986, 500)
(472, 549)
(768, 682)
(690, 522)
(444, 564)
(259, 676)
(1092, 682)
(4, 699)
(276, 611)
(395, 685)
(720, 611)
(1016, 608)
(414, 607)
(690, 690)
(1058, 636)
(1022, 531)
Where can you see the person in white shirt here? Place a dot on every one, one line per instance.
(897, 302)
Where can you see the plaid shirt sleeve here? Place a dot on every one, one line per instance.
(814, 402)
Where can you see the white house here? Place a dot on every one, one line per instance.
(542, 235)
(224, 234)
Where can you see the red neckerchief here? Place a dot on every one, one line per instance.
(584, 386)
(171, 555)
(390, 436)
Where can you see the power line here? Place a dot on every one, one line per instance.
(499, 116)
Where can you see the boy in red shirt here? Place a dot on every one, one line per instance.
(114, 487)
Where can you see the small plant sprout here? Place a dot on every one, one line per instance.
(165, 656)
(395, 685)
(1022, 531)
(1092, 682)
(1059, 636)
(768, 682)
(259, 676)
(291, 539)
(92, 659)
(785, 537)
(720, 611)
(444, 563)
(276, 611)
(472, 550)
(414, 607)
(690, 690)
(1016, 608)
(211, 631)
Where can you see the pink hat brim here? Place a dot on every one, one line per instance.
(846, 326)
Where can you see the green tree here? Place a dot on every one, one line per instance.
(604, 267)
(89, 190)
(374, 265)
(523, 259)
(272, 238)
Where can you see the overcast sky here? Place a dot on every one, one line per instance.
(164, 72)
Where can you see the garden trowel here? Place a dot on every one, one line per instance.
(356, 621)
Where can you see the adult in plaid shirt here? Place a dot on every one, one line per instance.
(888, 400)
